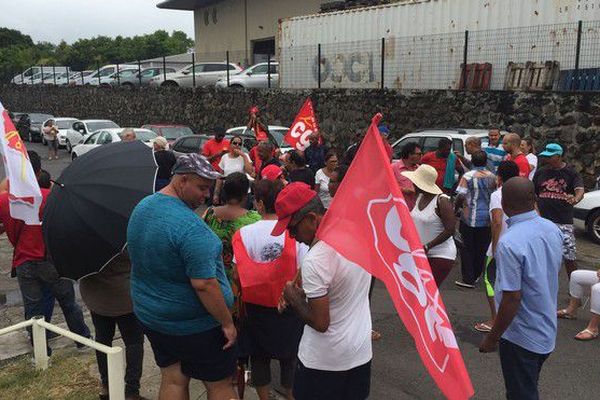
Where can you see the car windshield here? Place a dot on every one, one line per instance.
(145, 136)
(65, 123)
(107, 72)
(172, 133)
(39, 118)
(279, 136)
(94, 126)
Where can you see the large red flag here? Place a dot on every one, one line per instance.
(377, 233)
(304, 125)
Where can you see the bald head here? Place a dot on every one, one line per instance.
(511, 143)
(518, 196)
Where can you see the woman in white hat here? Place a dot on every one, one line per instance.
(435, 221)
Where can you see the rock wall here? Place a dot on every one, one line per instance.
(573, 120)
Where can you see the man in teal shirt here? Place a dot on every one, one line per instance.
(178, 285)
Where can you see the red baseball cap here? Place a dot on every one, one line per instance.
(289, 201)
(271, 172)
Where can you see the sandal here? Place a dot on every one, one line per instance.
(564, 314)
(482, 327)
(592, 335)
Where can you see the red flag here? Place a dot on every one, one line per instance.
(377, 233)
(304, 125)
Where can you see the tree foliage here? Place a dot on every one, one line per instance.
(18, 52)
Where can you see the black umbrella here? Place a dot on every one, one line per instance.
(86, 215)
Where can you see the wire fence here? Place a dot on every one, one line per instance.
(563, 57)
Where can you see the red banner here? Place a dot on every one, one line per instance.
(304, 125)
(377, 233)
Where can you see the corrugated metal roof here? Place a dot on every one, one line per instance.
(186, 4)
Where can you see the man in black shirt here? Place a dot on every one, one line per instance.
(265, 153)
(315, 153)
(558, 188)
(297, 170)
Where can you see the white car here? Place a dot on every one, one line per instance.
(428, 140)
(63, 124)
(81, 129)
(98, 77)
(277, 135)
(255, 77)
(111, 135)
(206, 74)
(586, 214)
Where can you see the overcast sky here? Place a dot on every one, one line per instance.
(75, 19)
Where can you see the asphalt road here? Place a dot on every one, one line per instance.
(572, 371)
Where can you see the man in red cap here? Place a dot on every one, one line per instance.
(273, 173)
(335, 350)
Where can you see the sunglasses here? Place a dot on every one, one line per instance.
(236, 143)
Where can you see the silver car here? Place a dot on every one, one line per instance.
(206, 74)
(255, 77)
(131, 78)
(80, 129)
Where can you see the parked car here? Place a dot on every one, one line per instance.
(26, 76)
(82, 128)
(131, 80)
(107, 136)
(586, 214)
(77, 77)
(34, 133)
(189, 144)
(428, 139)
(63, 124)
(206, 74)
(277, 136)
(254, 77)
(170, 132)
(98, 77)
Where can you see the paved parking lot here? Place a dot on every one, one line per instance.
(570, 373)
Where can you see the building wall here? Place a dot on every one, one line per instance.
(229, 31)
(571, 119)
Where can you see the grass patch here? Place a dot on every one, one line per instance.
(67, 378)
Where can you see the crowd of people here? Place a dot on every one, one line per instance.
(246, 281)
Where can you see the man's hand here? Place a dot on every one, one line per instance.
(292, 293)
(230, 334)
(488, 345)
(597, 273)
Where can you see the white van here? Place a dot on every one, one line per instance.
(35, 72)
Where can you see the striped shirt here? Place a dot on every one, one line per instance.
(477, 187)
(495, 156)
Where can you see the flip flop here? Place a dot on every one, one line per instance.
(593, 335)
(375, 336)
(564, 314)
(482, 327)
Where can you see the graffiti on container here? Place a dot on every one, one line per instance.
(355, 67)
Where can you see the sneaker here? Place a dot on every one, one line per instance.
(464, 285)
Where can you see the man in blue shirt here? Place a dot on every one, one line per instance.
(178, 285)
(495, 153)
(528, 257)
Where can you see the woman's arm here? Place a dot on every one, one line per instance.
(497, 215)
(446, 213)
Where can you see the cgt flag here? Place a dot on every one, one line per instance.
(378, 234)
(304, 125)
(24, 192)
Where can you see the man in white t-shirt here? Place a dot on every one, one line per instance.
(506, 170)
(335, 350)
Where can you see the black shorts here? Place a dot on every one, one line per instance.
(201, 355)
(313, 384)
(261, 371)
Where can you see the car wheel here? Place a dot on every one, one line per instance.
(69, 148)
(127, 85)
(30, 137)
(593, 226)
(73, 157)
(169, 84)
(236, 87)
(44, 143)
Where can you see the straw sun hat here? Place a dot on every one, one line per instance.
(424, 178)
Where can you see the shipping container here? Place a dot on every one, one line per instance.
(423, 43)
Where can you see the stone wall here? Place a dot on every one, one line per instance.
(572, 120)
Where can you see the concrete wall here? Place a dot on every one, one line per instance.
(572, 120)
(229, 32)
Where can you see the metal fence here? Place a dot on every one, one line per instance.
(543, 57)
(563, 57)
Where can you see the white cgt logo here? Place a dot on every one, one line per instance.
(300, 132)
(431, 319)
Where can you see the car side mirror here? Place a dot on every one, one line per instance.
(185, 72)
(249, 73)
